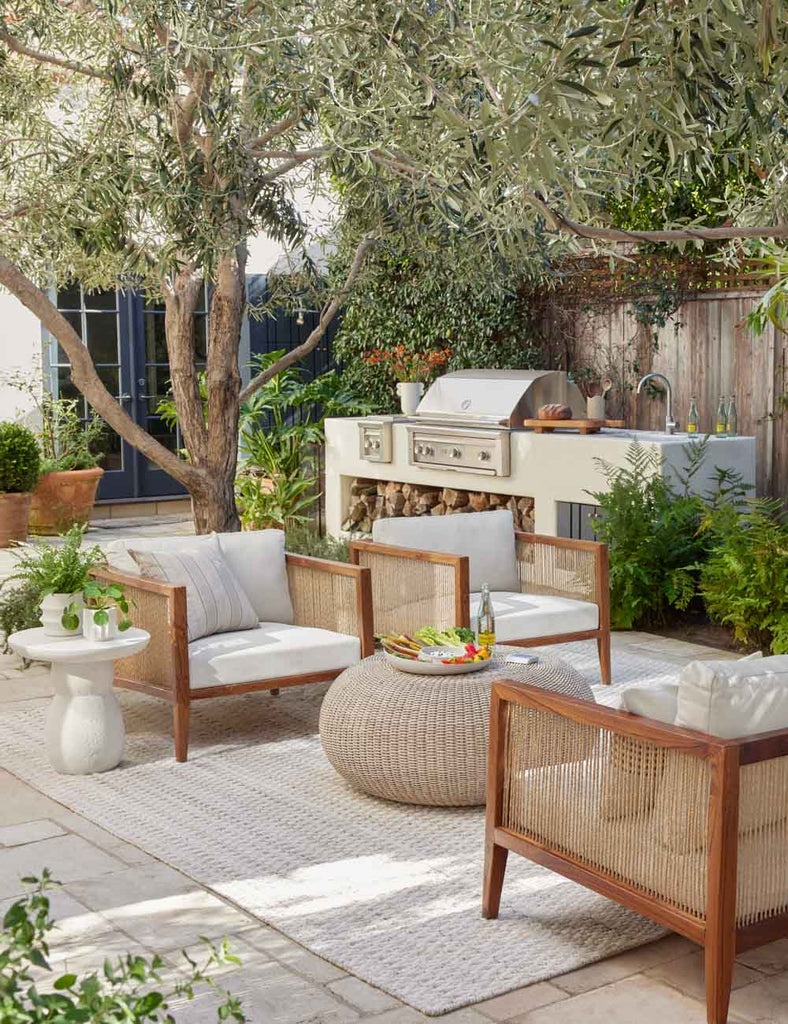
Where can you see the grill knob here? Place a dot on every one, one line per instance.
(484, 456)
(419, 449)
(429, 450)
(456, 453)
(376, 446)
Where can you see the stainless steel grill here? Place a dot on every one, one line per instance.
(465, 419)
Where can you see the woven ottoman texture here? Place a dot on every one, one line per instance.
(423, 739)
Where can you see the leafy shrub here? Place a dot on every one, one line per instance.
(744, 583)
(20, 460)
(57, 568)
(303, 539)
(19, 609)
(654, 537)
(265, 504)
(418, 301)
(127, 990)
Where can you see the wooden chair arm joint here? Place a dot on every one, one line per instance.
(323, 565)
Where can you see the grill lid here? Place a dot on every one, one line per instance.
(498, 397)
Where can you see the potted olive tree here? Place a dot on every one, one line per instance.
(58, 574)
(19, 468)
(71, 450)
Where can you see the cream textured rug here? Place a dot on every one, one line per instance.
(388, 892)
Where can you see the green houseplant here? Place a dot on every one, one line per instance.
(19, 468)
(71, 450)
(58, 573)
(102, 603)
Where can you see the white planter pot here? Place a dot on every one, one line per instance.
(410, 396)
(52, 612)
(99, 633)
(596, 407)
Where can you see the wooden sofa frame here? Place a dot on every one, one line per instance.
(717, 929)
(448, 579)
(326, 594)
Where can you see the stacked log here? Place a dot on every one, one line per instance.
(382, 499)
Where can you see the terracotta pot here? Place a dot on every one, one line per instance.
(14, 515)
(62, 499)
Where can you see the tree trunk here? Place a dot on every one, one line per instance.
(213, 505)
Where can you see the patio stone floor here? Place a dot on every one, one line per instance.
(115, 898)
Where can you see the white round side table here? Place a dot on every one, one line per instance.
(84, 727)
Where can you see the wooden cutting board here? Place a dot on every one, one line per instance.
(581, 426)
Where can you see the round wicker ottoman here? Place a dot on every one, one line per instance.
(423, 739)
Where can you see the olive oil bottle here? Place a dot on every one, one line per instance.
(693, 417)
(485, 619)
(721, 421)
(732, 418)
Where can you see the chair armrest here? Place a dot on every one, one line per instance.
(413, 588)
(565, 568)
(332, 595)
(159, 608)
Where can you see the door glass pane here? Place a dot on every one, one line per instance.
(113, 457)
(102, 337)
(158, 386)
(75, 319)
(69, 297)
(200, 340)
(65, 387)
(101, 300)
(155, 338)
(110, 375)
(158, 428)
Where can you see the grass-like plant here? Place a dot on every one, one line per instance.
(129, 989)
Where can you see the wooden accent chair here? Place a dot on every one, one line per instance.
(326, 595)
(565, 583)
(683, 827)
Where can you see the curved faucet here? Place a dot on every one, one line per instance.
(670, 424)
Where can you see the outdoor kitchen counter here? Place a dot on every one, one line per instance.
(550, 468)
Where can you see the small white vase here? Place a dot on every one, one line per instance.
(409, 396)
(99, 633)
(52, 612)
(596, 407)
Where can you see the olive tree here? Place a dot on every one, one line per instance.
(145, 142)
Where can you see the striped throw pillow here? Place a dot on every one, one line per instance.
(215, 600)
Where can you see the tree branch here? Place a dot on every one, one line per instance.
(85, 377)
(276, 129)
(48, 58)
(294, 161)
(572, 227)
(327, 314)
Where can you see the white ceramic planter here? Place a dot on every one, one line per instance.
(596, 407)
(52, 612)
(409, 396)
(100, 633)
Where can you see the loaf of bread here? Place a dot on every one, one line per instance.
(556, 411)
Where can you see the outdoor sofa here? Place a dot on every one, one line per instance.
(429, 570)
(311, 619)
(681, 817)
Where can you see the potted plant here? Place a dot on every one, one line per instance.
(102, 602)
(59, 574)
(411, 370)
(71, 449)
(19, 468)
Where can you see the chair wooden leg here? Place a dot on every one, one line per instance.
(494, 870)
(180, 721)
(719, 975)
(603, 646)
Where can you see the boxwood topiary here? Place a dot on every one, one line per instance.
(20, 459)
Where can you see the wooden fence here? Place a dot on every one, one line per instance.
(704, 348)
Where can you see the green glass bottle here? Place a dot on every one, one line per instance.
(732, 419)
(721, 421)
(693, 417)
(485, 619)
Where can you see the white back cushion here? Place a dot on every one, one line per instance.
(257, 557)
(657, 700)
(487, 538)
(734, 698)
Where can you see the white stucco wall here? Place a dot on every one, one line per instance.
(20, 351)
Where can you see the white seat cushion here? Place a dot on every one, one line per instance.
(487, 538)
(524, 616)
(271, 651)
(257, 557)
